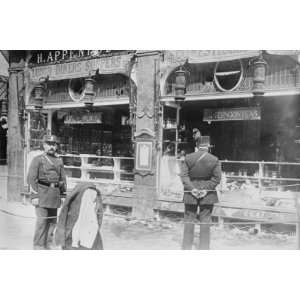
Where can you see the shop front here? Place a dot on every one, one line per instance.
(124, 125)
(86, 104)
(252, 127)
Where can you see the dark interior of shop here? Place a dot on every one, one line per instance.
(272, 138)
(108, 136)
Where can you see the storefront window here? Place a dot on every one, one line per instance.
(38, 128)
(175, 145)
(258, 143)
(95, 143)
(96, 132)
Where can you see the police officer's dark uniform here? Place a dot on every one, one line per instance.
(47, 181)
(200, 171)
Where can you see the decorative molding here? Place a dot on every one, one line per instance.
(12, 70)
(205, 56)
(143, 173)
(108, 101)
(147, 52)
(157, 104)
(146, 110)
(132, 92)
(215, 96)
(144, 131)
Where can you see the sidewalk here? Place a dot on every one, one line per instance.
(121, 234)
(3, 182)
(117, 233)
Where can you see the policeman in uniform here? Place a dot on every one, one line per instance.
(47, 182)
(200, 174)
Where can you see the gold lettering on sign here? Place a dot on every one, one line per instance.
(50, 58)
(113, 64)
(81, 53)
(231, 114)
(40, 58)
(56, 55)
(64, 54)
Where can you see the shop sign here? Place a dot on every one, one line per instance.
(232, 114)
(84, 118)
(105, 65)
(202, 56)
(253, 214)
(54, 56)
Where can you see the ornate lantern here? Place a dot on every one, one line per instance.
(89, 93)
(259, 76)
(38, 96)
(180, 85)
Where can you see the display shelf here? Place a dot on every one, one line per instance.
(170, 128)
(279, 179)
(262, 178)
(88, 171)
(261, 173)
(241, 177)
(175, 142)
(172, 132)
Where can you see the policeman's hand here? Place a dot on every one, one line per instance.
(35, 201)
(195, 192)
(202, 193)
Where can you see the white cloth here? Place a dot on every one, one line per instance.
(86, 227)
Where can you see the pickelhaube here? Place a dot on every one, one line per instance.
(50, 138)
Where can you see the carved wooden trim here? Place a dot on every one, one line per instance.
(146, 110)
(143, 173)
(144, 131)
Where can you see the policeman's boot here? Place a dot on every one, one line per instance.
(204, 238)
(50, 239)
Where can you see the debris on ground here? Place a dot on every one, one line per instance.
(122, 232)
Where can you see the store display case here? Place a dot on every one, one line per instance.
(175, 138)
(93, 168)
(38, 128)
(260, 183)
(95, 146)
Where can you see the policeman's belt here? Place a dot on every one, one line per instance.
(50, 184)
(199, 178)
